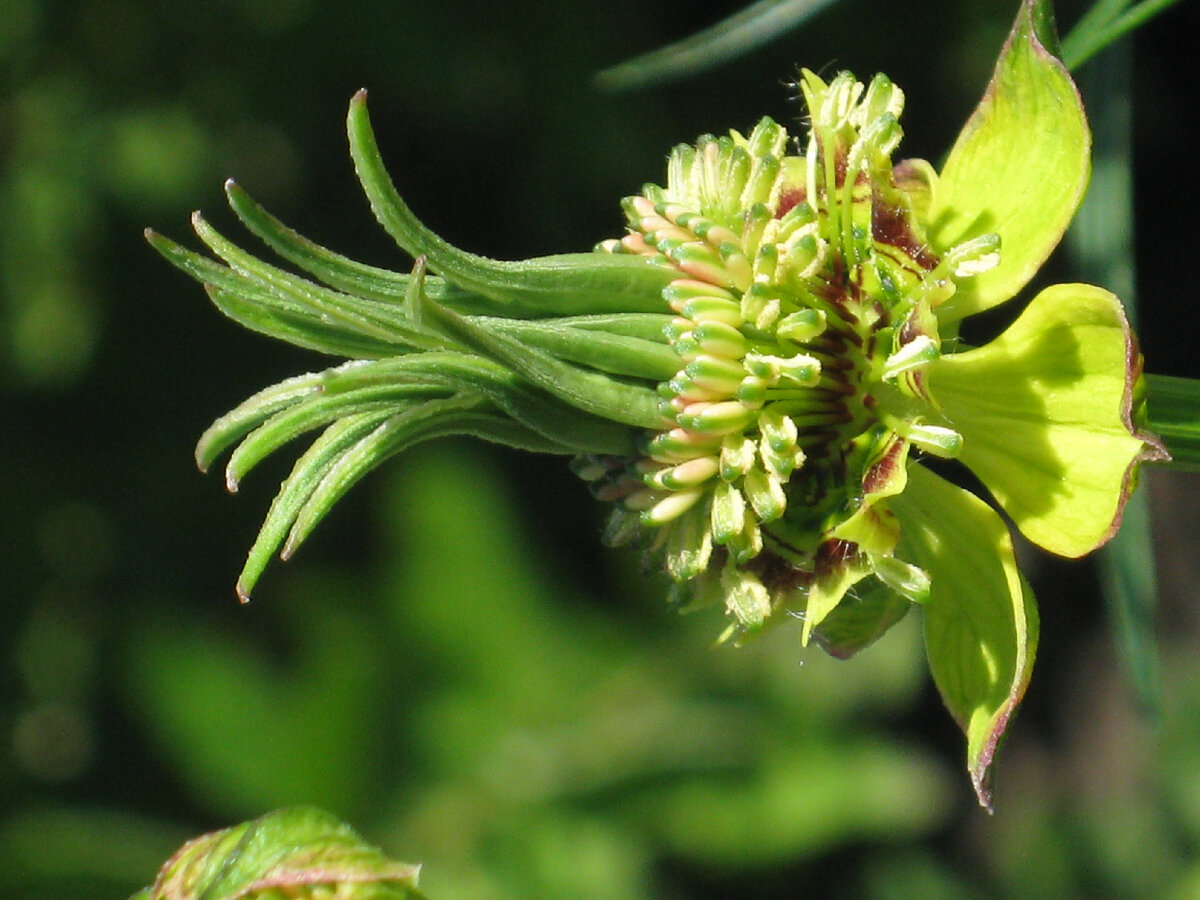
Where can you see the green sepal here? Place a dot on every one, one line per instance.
(337, 400)
(236, 424)
(1019, 168)
(981, 624)
(302, 853)
(331, 306)
(828, 591)
(589, 391)
(569, 427)
(298, 489)
(284, 306)
(352, 447)
(273, 417)
(647, 326)
(1045, 414)
(256, 312)
(618, 354)
(333, 269)
(350, 276)
(453, 416)
(570, 284)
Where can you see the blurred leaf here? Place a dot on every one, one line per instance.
(549, 706)
(78, 846)
(801, 800)
(246, 733)
(300, 852)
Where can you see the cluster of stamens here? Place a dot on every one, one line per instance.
(801, 323)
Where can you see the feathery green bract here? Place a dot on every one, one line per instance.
(560, 354)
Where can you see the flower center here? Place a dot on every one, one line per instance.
(804, 315)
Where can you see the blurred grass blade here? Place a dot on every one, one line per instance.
(731, 38)
(1101, 241)
(1106, 22)
(1130, 587)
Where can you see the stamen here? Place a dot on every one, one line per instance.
(671, 507)
(716, 418)
(689, 474)
(720, 339)
(920, 351)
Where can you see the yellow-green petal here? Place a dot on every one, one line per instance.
(828, 591)
(981, 622)
(1019, 169)
(860, 619)
(1045, 415)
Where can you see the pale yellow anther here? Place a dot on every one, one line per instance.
(690, 474)
(671, 507)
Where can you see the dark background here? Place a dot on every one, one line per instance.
(453, 663)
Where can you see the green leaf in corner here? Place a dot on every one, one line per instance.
(302, 853)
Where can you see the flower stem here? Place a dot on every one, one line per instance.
(1173, 412)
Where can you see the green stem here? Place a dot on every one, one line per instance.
(1173, 413)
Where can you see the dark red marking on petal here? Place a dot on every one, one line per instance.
(789, 198)
(890, 225)
(882, 471)
(833, 554)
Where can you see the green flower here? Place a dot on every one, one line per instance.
(754, 373)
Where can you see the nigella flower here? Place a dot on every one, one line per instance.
(755, 374)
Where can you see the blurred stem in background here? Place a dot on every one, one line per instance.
(1105, 23)
(1101, 246)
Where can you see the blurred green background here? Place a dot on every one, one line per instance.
(454, 664)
